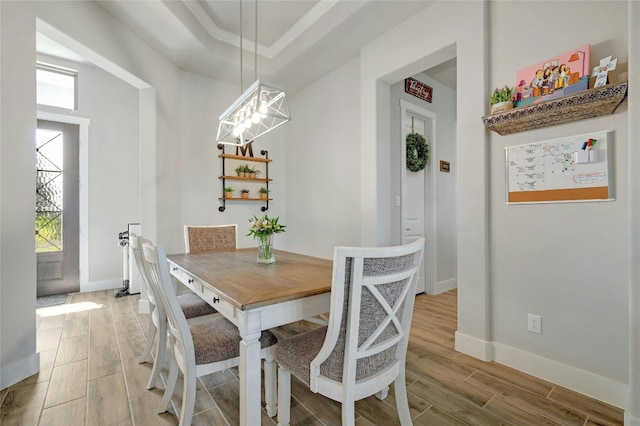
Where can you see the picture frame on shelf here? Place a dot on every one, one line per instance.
(555, 77)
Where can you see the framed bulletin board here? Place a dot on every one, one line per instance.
(561, 170)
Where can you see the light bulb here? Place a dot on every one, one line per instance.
(256, 117)
(247, 121)
(263, 103)
(236, 130)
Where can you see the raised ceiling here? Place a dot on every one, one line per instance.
(298, 40)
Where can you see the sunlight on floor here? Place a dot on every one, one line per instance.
(52, 311)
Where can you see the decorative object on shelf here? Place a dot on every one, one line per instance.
(417, 152)
(240, 170)
(244, 192)
(578, 106)
(418, 89)
(502, 99)
(555, 77)
(601, 72)
(264, 193)
(228, 192)
(263, 228)
(260, 109)
(253, 172)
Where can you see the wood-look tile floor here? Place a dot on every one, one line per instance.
(90, 375)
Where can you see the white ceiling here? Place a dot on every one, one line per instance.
(298, 40)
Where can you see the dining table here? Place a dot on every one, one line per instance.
(256, 297)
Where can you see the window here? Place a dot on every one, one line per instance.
(56, 86)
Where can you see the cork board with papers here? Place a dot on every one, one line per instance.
(570, 169)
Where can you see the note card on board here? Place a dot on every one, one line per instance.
(547, 171)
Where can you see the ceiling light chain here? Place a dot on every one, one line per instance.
(260, 109)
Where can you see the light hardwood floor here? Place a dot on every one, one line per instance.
(90, 375)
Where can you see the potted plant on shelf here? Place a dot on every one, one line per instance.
(502, 99)
(264, 193)
(254, 172)
(244, 192)
(228, 192)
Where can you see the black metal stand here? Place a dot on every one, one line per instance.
(124, 291)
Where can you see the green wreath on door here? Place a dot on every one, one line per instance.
(417, 152)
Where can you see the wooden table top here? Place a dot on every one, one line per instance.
(248, 285)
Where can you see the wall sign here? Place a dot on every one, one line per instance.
(418, 89)
(445, 166)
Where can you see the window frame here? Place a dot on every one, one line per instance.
(62, 71)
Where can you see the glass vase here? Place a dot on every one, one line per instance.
(265, 249)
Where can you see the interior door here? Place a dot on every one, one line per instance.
(57, 208)
(417, 205)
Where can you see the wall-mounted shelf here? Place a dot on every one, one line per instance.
(247, 158)
(589, 103)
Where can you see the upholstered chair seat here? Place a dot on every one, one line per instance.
(194, 306)
(218, 340)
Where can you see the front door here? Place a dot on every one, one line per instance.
(57, 208)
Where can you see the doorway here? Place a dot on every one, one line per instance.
(57, 208)
(418, 212)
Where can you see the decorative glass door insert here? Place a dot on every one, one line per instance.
(49, 185)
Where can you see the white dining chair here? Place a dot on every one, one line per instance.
(195, 309)
(198, 239)
(363, 348)
(200, 349)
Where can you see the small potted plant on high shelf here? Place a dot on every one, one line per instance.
(255, 172)
(228, 192)
(502, 99)
(244, 192)
(264, 193)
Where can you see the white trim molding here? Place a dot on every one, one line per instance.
(477, 348)
(581, 381)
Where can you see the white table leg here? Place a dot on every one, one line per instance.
(250, 376)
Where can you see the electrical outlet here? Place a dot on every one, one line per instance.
(534, 323)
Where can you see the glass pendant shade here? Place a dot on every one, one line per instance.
(260, 109)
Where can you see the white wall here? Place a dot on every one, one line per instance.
(323, 165)
(445, 30)
(542, 261)
(122, 52)
(203, 100)
(18, 357)
(444, 106)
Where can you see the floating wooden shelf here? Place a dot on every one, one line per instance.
(245, 158)
(589, 103)
(244, 199)
(232, 177)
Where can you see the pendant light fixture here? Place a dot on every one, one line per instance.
(259, 109)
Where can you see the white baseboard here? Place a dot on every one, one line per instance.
(447, 285)
(582, 381)
(631, 421)
(20, 370)
(474, 347)
(144, 307)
